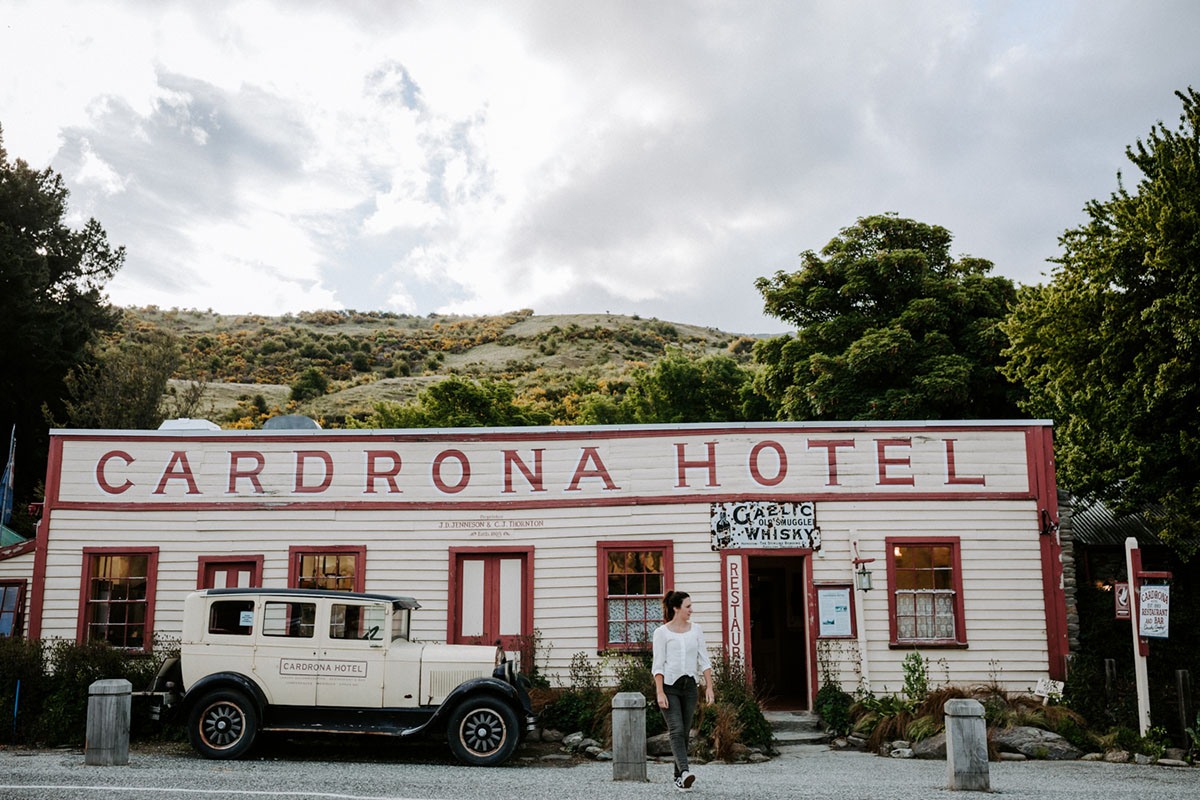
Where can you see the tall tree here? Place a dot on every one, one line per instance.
(681, 388)
(1108, 347)
(126, 385)
(889, 326)
(52, 306)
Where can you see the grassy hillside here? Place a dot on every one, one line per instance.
(250, 362)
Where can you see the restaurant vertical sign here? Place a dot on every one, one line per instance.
(735, 608)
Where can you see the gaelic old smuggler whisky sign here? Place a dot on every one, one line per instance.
(736, 525)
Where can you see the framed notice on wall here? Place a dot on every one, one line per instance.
(835, 612)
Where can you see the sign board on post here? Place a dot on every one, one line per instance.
(1154, 606)
(1121, 605)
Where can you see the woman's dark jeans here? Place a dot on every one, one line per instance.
(681, 708)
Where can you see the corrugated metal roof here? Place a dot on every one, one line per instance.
(1094, 523)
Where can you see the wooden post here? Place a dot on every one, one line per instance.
(1110, 678)
(1183, 687)
(629, 736)
(1141, 676)
(109, 706)
(966, 747)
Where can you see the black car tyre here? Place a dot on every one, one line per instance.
(483, 732)
(223, 724)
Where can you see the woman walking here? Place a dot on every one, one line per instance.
(680, 658)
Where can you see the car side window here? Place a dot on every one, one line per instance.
(231, 618)
(348, 621)
(293, 620)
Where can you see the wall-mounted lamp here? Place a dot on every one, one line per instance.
(862, 578)
(862, 575)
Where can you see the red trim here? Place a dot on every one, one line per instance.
(151, 588)
(960, 617)
(297, 550)
(255, 573)
(667, 546)
(42, 536)
(547, 434)
(18, 549)
(454, 594)
(566, 502)
(1040, 450)
(743, 620)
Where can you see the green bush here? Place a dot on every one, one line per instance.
(54, 681)
(732, 686)
(583, 705)
(833, 706)
(634, 674)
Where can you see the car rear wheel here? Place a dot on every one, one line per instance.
(223, 724)
(483, 732)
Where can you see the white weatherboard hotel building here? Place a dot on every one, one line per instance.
(571, 535)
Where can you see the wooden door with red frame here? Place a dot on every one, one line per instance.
(491, 597)
(230, 572)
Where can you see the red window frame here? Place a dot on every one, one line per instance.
(16, 614)
(296, 554)
(603, 549)
(255, 562)
(960, 623)
(87, 603)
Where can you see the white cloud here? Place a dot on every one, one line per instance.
(488, 156)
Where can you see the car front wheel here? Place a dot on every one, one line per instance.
(223, 724)
(483, 732)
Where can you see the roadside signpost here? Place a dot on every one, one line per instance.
(1150, 615)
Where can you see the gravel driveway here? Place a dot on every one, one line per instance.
(425, 772)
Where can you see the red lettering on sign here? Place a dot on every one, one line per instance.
(103, 480)
(831, 462)
(533, 476)
(464, 476)
(682, 464)
(236, 472)
(302, 456)
(952, 476)
(598, 470)
(781, 470)
(374, 472)
(177, 469)
(881, 446)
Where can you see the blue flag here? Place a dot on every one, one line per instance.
(6, 483)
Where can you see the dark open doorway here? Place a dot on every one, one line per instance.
(778, 634)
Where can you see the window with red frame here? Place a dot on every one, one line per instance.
(926, 588)
(12, 608)
(338, 569)
(117, 592)
(633, 579)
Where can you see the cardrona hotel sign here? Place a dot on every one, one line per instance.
(543, 467)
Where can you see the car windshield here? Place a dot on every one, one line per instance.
(400, 623)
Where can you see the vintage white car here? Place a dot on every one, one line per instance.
(254, 660)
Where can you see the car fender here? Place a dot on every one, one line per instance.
(476, 687)
(225, 680)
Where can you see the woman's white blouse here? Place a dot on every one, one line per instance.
(679, 654)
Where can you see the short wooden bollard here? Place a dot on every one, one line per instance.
(966, 746)
(629, 736)
(109, 706)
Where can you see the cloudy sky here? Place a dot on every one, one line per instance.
(648, 157)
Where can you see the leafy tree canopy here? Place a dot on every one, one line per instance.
(52, 307)
(889, 326)
(456, 402)
(681, 388)
(1108, 347)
